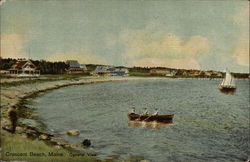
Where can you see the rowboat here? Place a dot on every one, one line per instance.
(151, 118)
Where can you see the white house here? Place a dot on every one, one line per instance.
(110, 71)
(120, 71)
(24, 68)
(101, 70)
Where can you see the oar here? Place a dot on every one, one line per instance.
(147, 117)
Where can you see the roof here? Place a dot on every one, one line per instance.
(20, 63)
(103, 69)
(73, 64)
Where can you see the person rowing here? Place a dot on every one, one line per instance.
(132, 110)
(156, 112)
(145, 111)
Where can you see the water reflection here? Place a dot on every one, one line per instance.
(148, 125)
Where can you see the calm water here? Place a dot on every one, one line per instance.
(207, 126)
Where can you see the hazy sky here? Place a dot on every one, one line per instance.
(175, 33)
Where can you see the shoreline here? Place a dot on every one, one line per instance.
(19, 95)
(35, 129)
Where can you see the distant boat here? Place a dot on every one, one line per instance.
(151, 118)
(228, 83)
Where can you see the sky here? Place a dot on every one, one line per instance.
(190, 34)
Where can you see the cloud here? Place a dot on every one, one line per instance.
(82, 56)
(241, 52)
(2, 1)
(12, 46)
(146, 48)
(241, 48)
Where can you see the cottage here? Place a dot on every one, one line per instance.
(110, 71)
(74, 67)
(102, 70)
(171, 73)
(119, 71)
(24, 68)
(194, 73)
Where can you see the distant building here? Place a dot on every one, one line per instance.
(119, 71)
(194, 73)
(110, 71)
(101, 70)
(171, 73)
(184, 73)
(24, 68)
(74, 67)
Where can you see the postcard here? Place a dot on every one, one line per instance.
(124, 80)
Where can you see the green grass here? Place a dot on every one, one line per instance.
(139, 74)
(18, 144)
(45, 78)
(16, 83)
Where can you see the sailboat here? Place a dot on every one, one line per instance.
(228, 83)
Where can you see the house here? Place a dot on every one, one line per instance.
(24, 68)
(102, 70)
(179, 72)
(184, 73)
(194, 73)
(171, 73)
(119, 71)
(110, 71)
(74, 67)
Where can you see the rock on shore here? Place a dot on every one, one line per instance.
(73, 132)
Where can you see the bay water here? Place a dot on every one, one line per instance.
(208, 125)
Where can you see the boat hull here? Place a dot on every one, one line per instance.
(227, 89)
(151, 118)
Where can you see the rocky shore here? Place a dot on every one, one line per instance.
(28, 126)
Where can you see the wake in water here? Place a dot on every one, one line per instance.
(148, 125)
